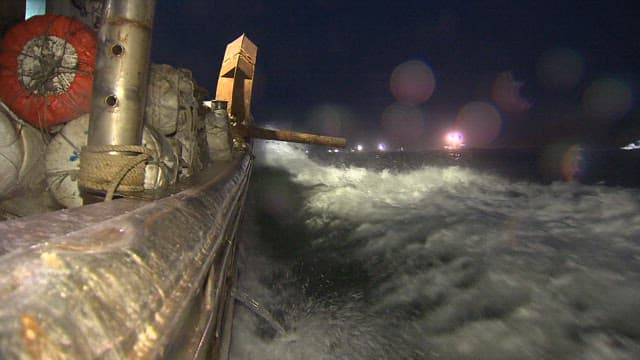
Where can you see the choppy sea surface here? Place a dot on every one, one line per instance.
(523, 254)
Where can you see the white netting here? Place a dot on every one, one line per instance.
(47, 65)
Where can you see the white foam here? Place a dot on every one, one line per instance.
(488, 268)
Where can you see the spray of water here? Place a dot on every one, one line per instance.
(436, 262)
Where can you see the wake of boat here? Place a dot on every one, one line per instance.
(440, 262)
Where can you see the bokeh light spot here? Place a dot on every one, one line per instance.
(403, 125)
(562, 161)
(412, 82)
(506, 93)
(560, 68)
(571, 163)
(480, 122)
(607, 99)
(330, 119)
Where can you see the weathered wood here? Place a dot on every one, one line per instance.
(291, 136)
(235, 82)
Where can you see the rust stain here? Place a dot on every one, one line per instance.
(125, 21)
(32, 336)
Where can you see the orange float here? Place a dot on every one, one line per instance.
(46, 69)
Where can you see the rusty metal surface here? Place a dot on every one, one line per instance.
(125, 287)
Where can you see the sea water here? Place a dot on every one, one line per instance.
(496, 255)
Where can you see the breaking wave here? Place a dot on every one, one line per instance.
(440, 262)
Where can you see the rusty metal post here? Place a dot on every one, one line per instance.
(121, 73)
(119, 97)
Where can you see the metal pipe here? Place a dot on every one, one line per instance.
(121, 73)
(291, 136)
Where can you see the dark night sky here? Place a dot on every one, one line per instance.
(326, 65)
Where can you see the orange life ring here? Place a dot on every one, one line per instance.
(46, 69)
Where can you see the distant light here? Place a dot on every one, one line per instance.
(382, 147)
(359, 147)
(454, 140)
(632, 146)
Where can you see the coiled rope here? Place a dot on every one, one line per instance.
(113, 167)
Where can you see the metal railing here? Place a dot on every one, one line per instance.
(152, 282)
